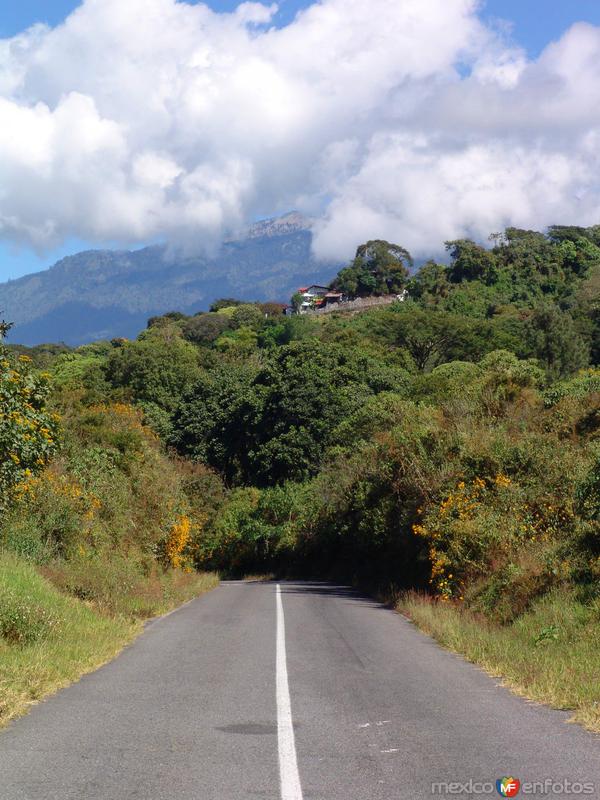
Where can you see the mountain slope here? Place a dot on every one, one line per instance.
(100, 294)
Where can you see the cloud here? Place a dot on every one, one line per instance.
(407, 119)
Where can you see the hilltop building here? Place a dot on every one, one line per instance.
(312, 296)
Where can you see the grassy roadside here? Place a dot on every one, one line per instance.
(550, 654)
(49, 639)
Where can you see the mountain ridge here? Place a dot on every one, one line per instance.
(100, 294)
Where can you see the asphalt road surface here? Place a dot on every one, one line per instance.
(292, 691)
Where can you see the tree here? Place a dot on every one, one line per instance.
(166, 319)
(248, 315)
(4, 329)
(433, 337)
(239, 343)
(301, 394)
(276, 425)
(551, 337)
(379, 268)
(205, 328)
(272, 309)
(504, 378)
(532, 265)
(471, 262)
(586, 311)
(430, 284)
(156, 368)
(207, 426)
(579, 247)
(224, 302)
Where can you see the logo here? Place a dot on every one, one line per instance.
(508, 787)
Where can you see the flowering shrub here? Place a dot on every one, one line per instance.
(53, 515)
(110, 489)
(455, 534)
(493, 538)
(28, 433)
(177, 543)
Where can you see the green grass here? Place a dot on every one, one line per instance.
(49, 639)
(551, 654)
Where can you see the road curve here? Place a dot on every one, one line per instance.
(309, 692)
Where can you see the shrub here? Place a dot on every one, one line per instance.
(176, 545)
(205, 328)
(156, 368)
(233, 541)
(28, 433)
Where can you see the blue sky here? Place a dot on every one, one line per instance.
(534, 22)
(23, 13)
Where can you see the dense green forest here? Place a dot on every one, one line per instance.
(349, 443)
(448, 442)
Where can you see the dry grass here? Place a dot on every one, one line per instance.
(119, 585)
(79, 637)
(550, 654)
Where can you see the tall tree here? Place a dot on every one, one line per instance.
(379, 268)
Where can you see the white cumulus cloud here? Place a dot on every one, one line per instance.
(403, 119)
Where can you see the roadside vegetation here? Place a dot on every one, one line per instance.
(97, 533)
(447, 444)
(49, 637)
(548, 654)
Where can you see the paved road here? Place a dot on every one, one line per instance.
(328, 697)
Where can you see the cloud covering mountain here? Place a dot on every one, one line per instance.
(101, 294)
(404, 119)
